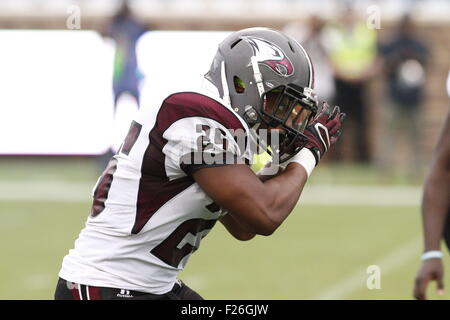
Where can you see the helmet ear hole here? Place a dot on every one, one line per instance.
(235, 43)
(291, 47)
(239, 85)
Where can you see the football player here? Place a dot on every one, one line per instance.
(435, 211)
(186, 164)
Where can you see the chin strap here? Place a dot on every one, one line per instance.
(257, 76)
(226, 92)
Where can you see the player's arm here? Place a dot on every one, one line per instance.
(236, 229)
(259, 207)
(435, 206)
(436, 199)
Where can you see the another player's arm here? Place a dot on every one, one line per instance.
(436, 200)
(435, 206)
(259, 207)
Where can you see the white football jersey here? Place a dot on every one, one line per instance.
(148, 214)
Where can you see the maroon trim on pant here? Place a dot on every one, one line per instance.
(75, 292)
(94, 293)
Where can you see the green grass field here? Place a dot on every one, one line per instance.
(347, 220)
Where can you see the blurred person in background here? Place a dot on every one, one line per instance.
(352, 48)
(405, 59)
(310, 36)
(435, 214)
(126, 30)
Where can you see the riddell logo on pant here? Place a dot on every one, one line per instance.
(124, 294)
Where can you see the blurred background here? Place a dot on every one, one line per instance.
(73, 73)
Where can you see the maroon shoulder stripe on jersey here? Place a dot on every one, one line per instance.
(155, 188)
(190, 104)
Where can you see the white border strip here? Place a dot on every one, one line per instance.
(324, 195)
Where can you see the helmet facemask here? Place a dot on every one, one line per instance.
(285, 113)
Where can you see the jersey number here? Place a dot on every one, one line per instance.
(183, 241)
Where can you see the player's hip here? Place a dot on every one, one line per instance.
(68, 290)
(103, 271)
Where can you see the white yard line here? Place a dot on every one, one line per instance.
(52, 191)
(388, 263)
(327, 195)
(361, 195)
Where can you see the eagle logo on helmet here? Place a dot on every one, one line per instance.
(271, 55)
